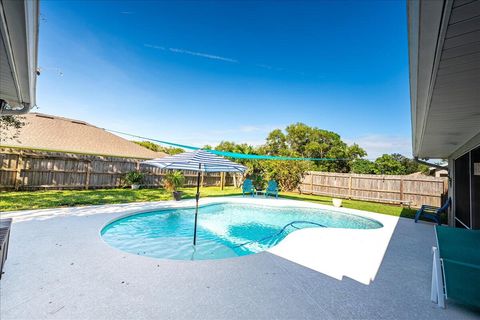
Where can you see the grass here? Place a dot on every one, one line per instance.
(391, 210)
(27, 200)
(23, 200)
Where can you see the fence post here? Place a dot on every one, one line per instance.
(87, 174)
(444, 195)
(222, 179)
(18, 171)
(311, 182)
(350, 186)
(401, 190)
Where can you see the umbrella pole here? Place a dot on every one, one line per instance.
(197, 197)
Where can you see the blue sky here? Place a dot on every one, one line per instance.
(201, 72)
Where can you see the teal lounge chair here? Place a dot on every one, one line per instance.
(247, 188)
(433, 213)
(272, 189)
(456, 266)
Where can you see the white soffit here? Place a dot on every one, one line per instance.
(18, 54)
(444, 75)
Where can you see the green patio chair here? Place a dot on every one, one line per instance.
(456, 266)
(247, 188)
(433, 213)
(272, 189)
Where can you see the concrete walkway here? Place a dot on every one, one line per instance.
(59, 268)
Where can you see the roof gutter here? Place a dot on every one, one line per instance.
(19, 34)
(430, 164)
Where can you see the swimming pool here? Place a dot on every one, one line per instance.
(225, 230)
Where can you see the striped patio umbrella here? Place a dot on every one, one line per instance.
(199, 161)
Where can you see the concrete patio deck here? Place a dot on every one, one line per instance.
(59, 268)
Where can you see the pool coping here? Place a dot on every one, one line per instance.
(253, 201)
(306, 247)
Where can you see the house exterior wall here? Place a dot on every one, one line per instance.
(472, 186)
(451, 191)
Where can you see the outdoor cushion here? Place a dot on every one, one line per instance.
(460, 254)
(459, 244)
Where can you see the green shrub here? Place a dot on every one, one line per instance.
(134, 177)
(288, 174)
(174, 180)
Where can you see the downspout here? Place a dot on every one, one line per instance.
(430, 164)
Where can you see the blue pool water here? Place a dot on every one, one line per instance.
(224, 230)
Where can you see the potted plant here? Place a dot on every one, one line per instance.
(173, 181)
(134, 179)
(337, 202)
(258, 183)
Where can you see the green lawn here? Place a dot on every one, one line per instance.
(23, 200)
(391, 210)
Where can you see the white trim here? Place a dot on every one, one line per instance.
(470, 186)
(9, 50)
(446, 10)
(425, 28)
(463, 224)
(32, 11)
(467, 147)
(437, 294)
(19, 28)
(451, 191)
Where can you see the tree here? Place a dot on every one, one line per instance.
(276, 143)
(158, 148)
(229, 146)
(288, 174)
(410, 165)
(10, 127)
(244, 148)
(301, 140)
(363, 166)
(387, 164)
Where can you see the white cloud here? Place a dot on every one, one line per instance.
(269, 67)
(193, 53)
(260, 129)
(377, 144)
(216, 57)
(154, 47)
(204, 55)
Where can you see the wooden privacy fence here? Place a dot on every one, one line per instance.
(35, 170)
(409, 190)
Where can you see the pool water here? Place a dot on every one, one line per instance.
(224, 230)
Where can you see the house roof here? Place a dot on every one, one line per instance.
(18, 55)
(444, 51)
(53, 133)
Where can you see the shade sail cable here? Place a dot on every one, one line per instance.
(234, 155)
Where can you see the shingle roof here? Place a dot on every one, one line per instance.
(53, 133)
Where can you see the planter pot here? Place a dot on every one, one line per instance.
(177, 195)
(337, 202)
(135, 186)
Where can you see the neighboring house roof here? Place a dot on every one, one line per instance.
(444, 51)
(52, 133)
